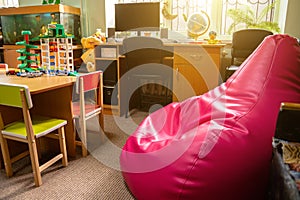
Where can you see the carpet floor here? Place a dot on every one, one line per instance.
(96, 176)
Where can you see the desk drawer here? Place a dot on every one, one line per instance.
(186, 55)
(197, 55)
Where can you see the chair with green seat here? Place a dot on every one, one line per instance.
(28, 130)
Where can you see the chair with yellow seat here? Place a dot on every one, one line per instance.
(28, 130)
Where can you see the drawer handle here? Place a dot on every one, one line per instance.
(196, 56)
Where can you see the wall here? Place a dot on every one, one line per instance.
(93, 16)
(292, 25)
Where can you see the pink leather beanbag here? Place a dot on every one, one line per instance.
(217, 145)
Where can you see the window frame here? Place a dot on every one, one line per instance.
(215, 12)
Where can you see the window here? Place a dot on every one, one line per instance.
(9, 3)
(217, 10)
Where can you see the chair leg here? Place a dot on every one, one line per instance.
(62, 144)
(38, 146)
(35, 162)
(84, 142)
(83, 137)
(6, 156)
(84, 150)
(101, 120)
(101, 124)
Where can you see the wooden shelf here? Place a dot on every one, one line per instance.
(106, 58)
(40, 9)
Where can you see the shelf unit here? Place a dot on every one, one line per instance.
(107, 60)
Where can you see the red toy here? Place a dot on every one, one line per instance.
(217, 145)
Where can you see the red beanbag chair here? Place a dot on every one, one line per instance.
(217, 145)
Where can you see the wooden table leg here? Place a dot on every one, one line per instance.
(58, 103)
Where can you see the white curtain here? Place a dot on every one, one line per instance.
(9, 3)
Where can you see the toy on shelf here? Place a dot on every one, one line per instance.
(212, 38)
(57, 51)
(29, 66)
(89, 43)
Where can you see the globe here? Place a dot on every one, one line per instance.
(198, 24)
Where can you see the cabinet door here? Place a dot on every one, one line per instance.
(195, 72)
(187, 82)
(11, 57)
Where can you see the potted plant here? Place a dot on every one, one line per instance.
(247, 17)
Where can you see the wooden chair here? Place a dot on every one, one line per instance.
(28, 130)
(88, 85)
(144, 58)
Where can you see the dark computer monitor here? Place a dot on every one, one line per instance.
(137, 16)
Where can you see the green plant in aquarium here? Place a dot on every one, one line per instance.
(45, 2)
(247, 17)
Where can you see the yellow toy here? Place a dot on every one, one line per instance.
(89, 43)
(212, 38)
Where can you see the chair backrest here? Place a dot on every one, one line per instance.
(11, 96)
(245, 41)
(90, 82)
(142, 50)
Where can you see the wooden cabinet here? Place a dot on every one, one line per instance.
(11, 55)
(196, 69)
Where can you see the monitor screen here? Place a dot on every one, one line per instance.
(137, 16)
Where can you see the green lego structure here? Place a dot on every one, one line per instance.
(56, 31)
(26, 55)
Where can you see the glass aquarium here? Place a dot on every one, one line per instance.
(1, 35)
(13, 24)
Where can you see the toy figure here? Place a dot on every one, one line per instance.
(212, 38)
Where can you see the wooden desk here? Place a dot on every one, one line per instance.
(196, 68)
(51, 96)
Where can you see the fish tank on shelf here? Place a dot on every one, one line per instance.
(36, 19)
